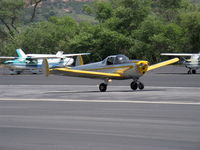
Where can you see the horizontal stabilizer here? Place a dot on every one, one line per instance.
(162, 64)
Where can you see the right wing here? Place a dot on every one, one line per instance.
(177, 54)
(70, 55)
(162, 64)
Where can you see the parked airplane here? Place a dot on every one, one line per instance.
(192, 64)
(117, 67)
(33, 62)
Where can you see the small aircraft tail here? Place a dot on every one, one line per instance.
(45, 67)
(79, 61)
(59, 53)
(20, 53)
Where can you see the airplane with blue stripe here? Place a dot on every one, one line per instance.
(33, 62)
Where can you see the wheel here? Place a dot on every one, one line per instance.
(103, 87)
(134, 85)
(140, 86)
(194, 72)
(18, 72)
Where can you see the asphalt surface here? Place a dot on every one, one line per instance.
(62, 113)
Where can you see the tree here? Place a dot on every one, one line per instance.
(10, 13)
(154, 37)
(45, 37)
(191, 23)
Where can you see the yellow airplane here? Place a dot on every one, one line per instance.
(117, 67)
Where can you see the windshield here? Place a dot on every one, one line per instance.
(121, 59)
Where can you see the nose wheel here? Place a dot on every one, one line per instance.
(137, 85)
(103, 87)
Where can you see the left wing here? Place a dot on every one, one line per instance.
(42, 56)
(5, 57)
(71, 55)
(83, 73)
(164, 63)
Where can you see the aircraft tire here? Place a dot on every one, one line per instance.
(194, 72)
(103, 87)
(134, 85)
(140, 86)
(18, 72)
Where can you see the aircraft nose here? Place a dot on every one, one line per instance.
(142, 66)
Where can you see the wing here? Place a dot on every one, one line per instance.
(176, 54)
(4, 57)
(162, 64)
(71, 55)
(42, 56)
(83, 73)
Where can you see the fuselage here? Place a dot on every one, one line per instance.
(193, 62)
(25, 64)
(129, 69)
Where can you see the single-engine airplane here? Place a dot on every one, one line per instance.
(33, 62)
(192, 64)
(117, 67)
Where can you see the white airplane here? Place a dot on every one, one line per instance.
(192, 64)
(33, 62)
(117, 67)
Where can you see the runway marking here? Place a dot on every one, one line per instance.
(104, 101)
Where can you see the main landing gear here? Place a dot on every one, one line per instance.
(103, 87)
(136, 84)
(190, 71)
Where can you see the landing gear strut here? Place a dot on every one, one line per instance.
(136, 84)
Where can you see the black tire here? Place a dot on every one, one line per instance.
(134, 85)
(103, 87)
(194, 71)
(140, 86)
(18, 72)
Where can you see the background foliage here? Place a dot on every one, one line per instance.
(141, 29)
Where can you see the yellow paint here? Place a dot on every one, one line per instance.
(88, 72)
(81, 60)
(165, 63)
(121, 71)
(142, 66)
(105, 68)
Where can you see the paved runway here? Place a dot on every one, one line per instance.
(63, 113)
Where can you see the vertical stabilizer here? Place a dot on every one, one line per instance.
(45, 67)
(79, 60)
(20, 53)
(59, 53)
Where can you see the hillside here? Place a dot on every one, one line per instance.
(48, 8)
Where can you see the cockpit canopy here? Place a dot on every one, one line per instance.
(116, 59)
